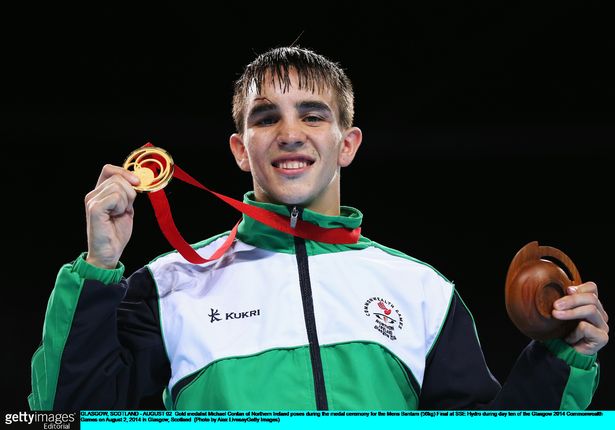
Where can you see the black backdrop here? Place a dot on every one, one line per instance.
(484, 128)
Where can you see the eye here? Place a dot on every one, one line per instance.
(312, 118)
(265, 121)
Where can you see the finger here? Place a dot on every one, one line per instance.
(109, 205)
(589, 313)
(127, 188)
(111, 200)
(109, 184)
(110, 170)
(577, 334)
(586, 338)
(587, 287)
(580, 299)
(581, 294)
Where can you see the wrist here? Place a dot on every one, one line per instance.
(87, 270)
(101, 263)
(573, 358)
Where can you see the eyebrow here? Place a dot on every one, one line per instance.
(261, 109)
(302, 108)
(309, 105)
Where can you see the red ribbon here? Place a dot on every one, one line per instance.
(279, 222)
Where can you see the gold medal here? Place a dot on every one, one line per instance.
(153, 166)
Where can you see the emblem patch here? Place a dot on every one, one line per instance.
(386, 316)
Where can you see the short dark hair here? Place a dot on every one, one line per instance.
(314, 71)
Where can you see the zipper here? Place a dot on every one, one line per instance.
(294, 215)
(308, 313)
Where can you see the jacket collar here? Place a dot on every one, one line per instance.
(262, 236)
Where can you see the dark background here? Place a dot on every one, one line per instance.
(484, 128)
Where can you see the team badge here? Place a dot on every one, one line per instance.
(386, 316)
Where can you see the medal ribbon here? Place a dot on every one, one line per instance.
(279, 222)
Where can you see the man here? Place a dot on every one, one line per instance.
(282, 322)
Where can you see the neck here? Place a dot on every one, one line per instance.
(327, 203)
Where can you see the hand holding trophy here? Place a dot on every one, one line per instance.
(537, 277)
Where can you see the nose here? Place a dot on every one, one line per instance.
(290, 134)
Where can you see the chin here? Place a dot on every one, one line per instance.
(293, 200)
(290, 198)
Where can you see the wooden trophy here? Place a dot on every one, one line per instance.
(537, 277)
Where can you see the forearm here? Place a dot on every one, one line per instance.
(545, 376)
(97, 351)
(549, 376)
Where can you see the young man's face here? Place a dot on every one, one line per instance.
(293, 145)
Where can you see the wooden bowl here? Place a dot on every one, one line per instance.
(537, 277)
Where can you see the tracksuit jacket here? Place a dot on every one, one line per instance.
(283, 323)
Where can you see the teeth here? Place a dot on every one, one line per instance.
(292, 164)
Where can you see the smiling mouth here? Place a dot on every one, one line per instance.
(292, 164)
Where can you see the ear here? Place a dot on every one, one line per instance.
(239, 152)
(350, 145)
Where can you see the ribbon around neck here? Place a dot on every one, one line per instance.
(302, 229)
